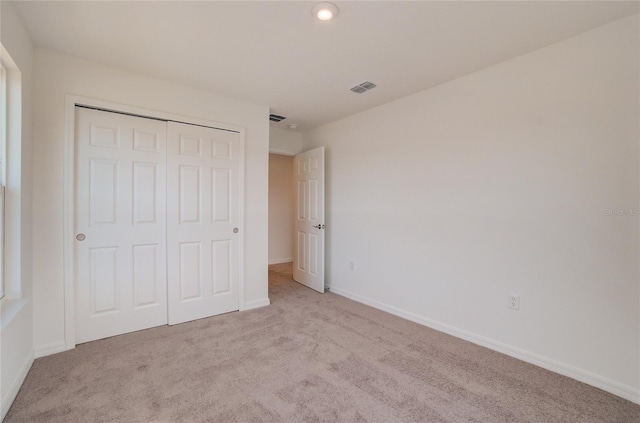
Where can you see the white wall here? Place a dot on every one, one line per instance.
(57, 75)
(503, 181)
(280, 208)
(282, 141)
(16, 313)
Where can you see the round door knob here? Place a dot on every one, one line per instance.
(235, 230)
(81, 237)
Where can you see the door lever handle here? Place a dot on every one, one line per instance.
(319, 226)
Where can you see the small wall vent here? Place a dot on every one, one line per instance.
(364, 87)
(276, 118)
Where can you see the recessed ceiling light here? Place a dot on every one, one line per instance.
(293, 126)
(325, 11)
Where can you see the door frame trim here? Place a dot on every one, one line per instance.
(68, 212)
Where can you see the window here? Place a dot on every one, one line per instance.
(3, 173)
(10, 177)
(3, 122)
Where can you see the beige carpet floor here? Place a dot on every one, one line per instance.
(308, 357)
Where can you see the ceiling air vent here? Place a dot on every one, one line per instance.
(276, 118)
(364, 87)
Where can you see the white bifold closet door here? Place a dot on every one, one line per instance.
(120, 224)
(156, 221)
(203, 221)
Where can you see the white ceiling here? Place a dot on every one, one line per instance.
(275, 53)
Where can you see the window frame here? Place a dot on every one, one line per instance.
(3, 125)
(3, 173)
(11, 225)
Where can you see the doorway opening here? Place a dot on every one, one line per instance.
(281, 208)
(296, 215)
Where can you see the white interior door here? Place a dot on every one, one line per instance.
(120, 221)
(204, 168)
(308, 254)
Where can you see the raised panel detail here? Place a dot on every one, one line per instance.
(145, 274)
(303, 166)
(189, 194)
(104, 137)
(313, 253)
(302, 251)
(103, 263)
(190, 146)
(190, 271)
(221, 149)
(103, 191)
(313, 199)
(145, 141)
(144, 192)
(221, 195)
(302, 203)
(221, 260)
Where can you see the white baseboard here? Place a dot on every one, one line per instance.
(15, 386)
(280, 261)
(51, 348)
(255, 304)
(616, 388)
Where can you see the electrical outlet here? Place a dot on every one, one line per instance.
(514, 301)
(353, 265)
